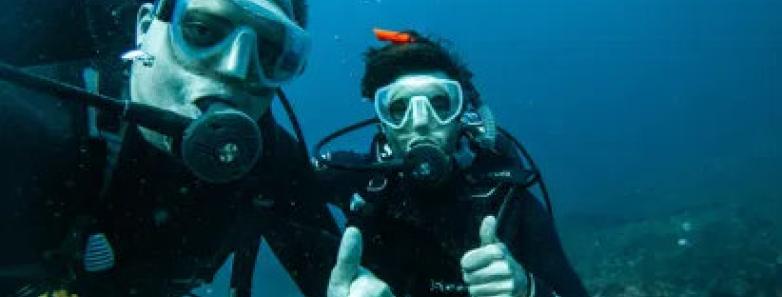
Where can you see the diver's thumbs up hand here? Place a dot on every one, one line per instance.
(348, 278)
(488, 231)
(347, 266)
(491, 270)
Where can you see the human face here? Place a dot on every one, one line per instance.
(420, 108)
(231, 51)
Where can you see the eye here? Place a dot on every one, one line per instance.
(441, 105)
(201, 34)
(397, 109)
(270, 49)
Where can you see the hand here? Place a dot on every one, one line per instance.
(491, 270)
(348, 278)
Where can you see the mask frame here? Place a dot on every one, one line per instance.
(286, 61)
(385, 99)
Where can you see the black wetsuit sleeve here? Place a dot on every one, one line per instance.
(301, 232)
(533, 237)
(537, 246)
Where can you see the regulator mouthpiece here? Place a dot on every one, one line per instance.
(222, 145)
(428, 164)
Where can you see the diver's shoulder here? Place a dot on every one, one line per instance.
(339, 182)
(326, 171)
(36, 126)
(341, 157)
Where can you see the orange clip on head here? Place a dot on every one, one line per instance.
(393, 36)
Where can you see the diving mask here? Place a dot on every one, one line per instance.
(397, 103)
(247, 39)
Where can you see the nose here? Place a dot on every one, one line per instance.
(421, 118)
(237, 61)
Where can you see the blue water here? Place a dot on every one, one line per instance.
(630, 107)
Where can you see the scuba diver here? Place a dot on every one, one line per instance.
(149, 194)
(442, 204)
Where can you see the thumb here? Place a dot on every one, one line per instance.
(348, 258)
(488, 231)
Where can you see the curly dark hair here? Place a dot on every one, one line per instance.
(384, 64)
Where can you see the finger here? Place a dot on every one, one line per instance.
(504, 287)
(368, 285)
(499, 270)
(488, 231)
(348, 258)
(481, 257)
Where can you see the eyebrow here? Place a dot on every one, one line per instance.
(219, 15)
(206, 15)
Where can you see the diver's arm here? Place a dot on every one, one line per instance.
(301, 218)
(537, 246)
(529, 231)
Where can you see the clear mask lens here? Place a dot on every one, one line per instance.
(248, 39)
(441, 99)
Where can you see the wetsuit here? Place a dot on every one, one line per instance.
(66, 173)
(414, 237)
(169, 231)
